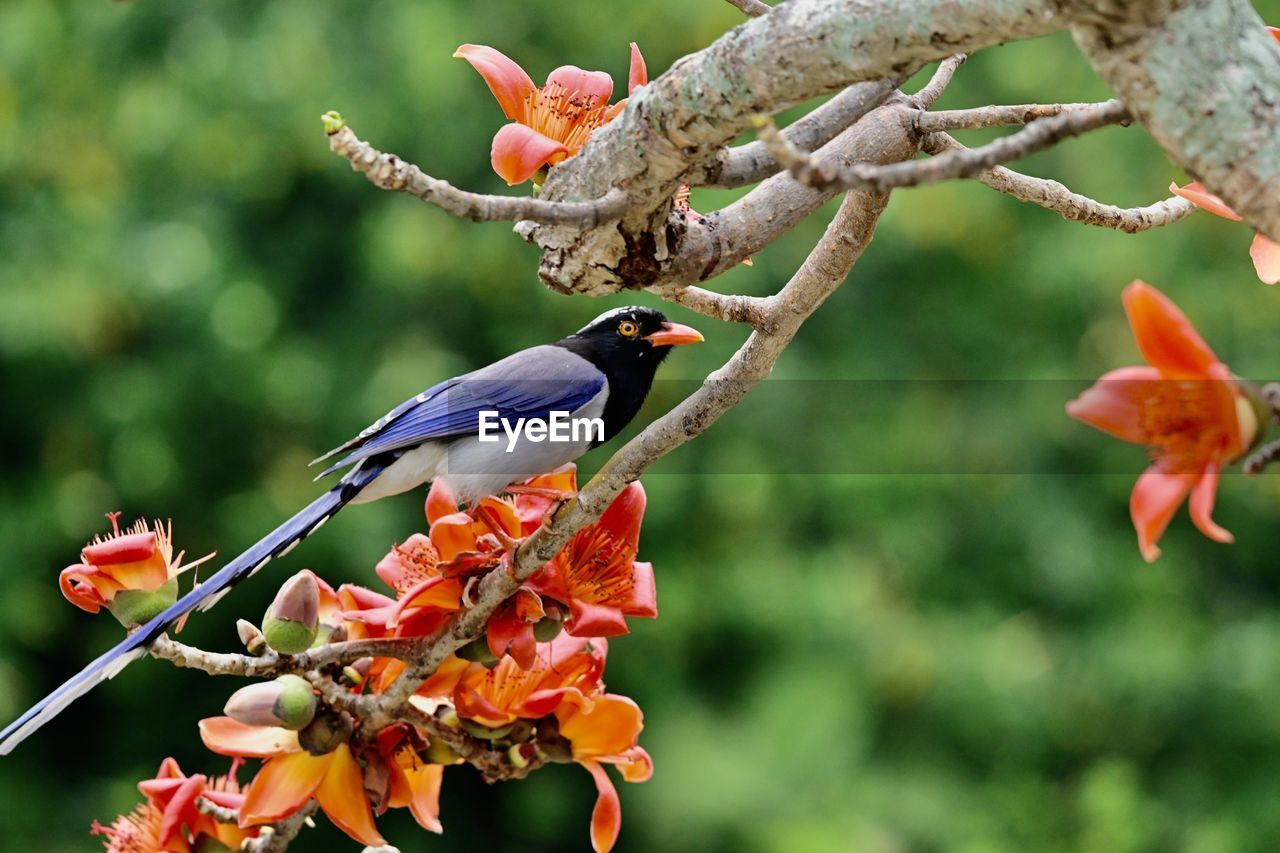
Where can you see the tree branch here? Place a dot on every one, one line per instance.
(1202, 77)
(389, 172)
(1052, 195)
(996, 115)
(752, 163)
(276, 837)
(272, 664)
(751, 8)
(938, 83)
(1037, 136)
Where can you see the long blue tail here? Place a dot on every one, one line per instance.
(204, 596)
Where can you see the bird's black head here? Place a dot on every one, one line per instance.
(627, 345)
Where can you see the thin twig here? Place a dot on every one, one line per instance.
(996, 115)
(389, 172)
(751, 8)
(731, 308)
(752, 162)
(1052, 195)
(221, 814)
(1034, 137)
(276, 837)
(265, 666)
(938, 83)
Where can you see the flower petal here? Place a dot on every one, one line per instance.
(519, 151)
(1114, 403)
(625, 514)
(636, 765)
(505, 78)
(341, 795)
(283, 786)
(424, 804)
(226, 736)
(1155, 498)
(606, 817)
(639, 75)
(610, 727)
(1166, 337)
(80, 586)
(1202, 499)
(595, 620)
(1202, 198)
(597, 86)
(1265, 253)
(644, 593)
(440, 501)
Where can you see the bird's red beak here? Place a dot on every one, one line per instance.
(674, 335)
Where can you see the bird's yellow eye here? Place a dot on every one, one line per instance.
(628, 329)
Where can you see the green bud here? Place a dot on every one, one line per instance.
(333, 122)
(439, 752)
(547, 629)
(254, 642)
(478, 650)
(288, 702)
(134, 607)
(448, 717)
(516, 756)
(484, 732)
(292, 620)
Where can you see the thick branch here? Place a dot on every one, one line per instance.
(959, 163)
(1052, 195)
(389, 172)
(676, 124)
(1202, 76)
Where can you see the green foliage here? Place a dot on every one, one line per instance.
(926, 628)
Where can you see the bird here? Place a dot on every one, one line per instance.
(601, 373)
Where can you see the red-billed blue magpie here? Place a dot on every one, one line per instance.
(604, 371)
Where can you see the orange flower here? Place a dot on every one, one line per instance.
(1185, 406)
(138, 832)
(290, 777)
(1265, 252)
(133, 573)
(563, 687)
(551, 123)
(596, 574)
(412, 781)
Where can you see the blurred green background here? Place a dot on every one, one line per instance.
(196, 298)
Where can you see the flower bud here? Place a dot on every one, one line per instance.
(439, 752)
(134, 607)
(547, 629)
(294, 617)
(254, 643)
(288, 702)
(516, 755)
(485, 732)
(329, 730)
(478, 650)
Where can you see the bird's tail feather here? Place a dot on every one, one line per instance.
(202, 597)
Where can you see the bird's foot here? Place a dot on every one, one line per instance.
(510, 544)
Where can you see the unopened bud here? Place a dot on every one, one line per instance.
(517, 757)
(134, 607)
(254, 643)
(486, 732)
(448, 717)
(439, 752)
(547, 629)
(288, 702)
(329, 730)
(351, 676)
(478, 650)
(293, 618)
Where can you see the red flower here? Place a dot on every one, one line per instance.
(1186, 407)
(551, 123)
(596, 574)
(133, 573)
(169, 819)
(564, 684)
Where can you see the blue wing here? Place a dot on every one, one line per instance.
(530, 384)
